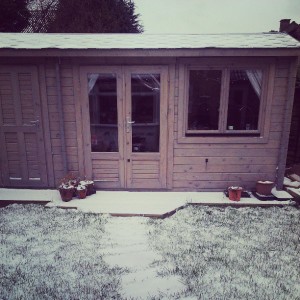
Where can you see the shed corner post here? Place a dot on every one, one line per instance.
(284, 141)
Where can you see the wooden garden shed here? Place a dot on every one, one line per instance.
(138, 111)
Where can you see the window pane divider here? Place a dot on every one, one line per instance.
(224, 100)
(186, 97)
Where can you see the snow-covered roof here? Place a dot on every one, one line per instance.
(271, 40)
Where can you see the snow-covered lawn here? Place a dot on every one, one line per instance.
(228, 253)
(198, 253)
(54, 254)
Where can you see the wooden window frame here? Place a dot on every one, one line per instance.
(223, 135)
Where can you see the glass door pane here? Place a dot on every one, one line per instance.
(102, 90)
(145, 112)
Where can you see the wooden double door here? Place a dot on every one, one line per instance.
(124, 113)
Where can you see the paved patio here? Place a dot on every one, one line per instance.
(125, 203)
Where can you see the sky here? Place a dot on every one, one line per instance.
(215, 16)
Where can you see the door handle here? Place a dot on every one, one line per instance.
(35, 123)
(128, 124)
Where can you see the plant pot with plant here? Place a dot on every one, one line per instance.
(71, 186)
(90, 186)
(81, 191)
(66, 192)
(235, 193)
(67, 187)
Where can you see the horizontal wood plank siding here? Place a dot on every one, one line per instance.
(54, 126)
(216, 166)
(227, 164)
(68, 94)
(69, 116)
(106, 172)
(145, 169)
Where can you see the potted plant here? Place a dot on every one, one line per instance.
(71, 186)
(66, 191)
(81, 191)
(89, 184)
(264, 188)
(235, 193)
(67, 187)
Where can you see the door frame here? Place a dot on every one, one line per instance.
(85, 117)
(163, 114)
(124, 139)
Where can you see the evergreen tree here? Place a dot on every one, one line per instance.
(42, 14)
(95, 16)
(14, 15)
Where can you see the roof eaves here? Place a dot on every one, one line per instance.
(148, 52)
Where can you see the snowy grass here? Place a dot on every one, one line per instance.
(54, 254)
(229, 253)
(198, 253)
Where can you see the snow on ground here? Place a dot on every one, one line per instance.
(155, 203)
(116, 202)
(200, 252)
(29, 195)
(229, 253)
(54, 254)
(128, 247)
(135, 203)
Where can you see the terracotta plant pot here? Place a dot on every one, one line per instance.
(264, 187)
(235, 193)
(81, 193)
(91, 189)
(89, 184)
(66, 194)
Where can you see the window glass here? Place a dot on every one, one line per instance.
(204, 99)
(102, 89)
(244, 99)
(145, 97)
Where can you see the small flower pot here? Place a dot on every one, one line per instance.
(264, 187)
(235, 193)
(66, 194)
(89, 184)
(81, 192)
